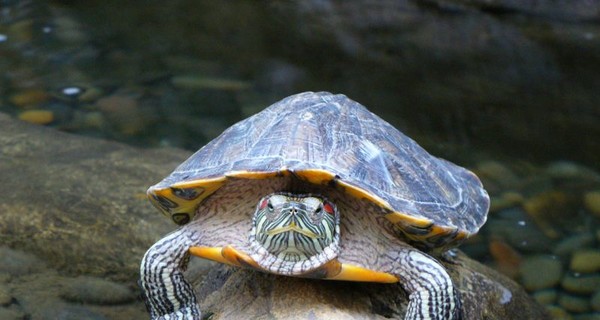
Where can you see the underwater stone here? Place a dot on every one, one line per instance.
(587, 260)
(546, 297)
(574, 303)
(96, 291)
(591, 200)
(581, 283)
(533, 279)
(37, 116)
(595, 301)
(573, 243)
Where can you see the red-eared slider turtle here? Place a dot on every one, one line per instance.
(315, 186)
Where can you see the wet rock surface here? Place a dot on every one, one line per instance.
(485, 295)
(78, 204)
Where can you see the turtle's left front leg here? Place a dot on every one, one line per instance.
(432, 295)
(166, 292)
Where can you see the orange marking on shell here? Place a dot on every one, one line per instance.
(206, 187)
(402, 218)
(255, 175)
(362, 194)
(315, 176)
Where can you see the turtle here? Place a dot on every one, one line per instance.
(315, 186)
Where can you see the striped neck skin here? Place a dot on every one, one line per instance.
(293, 234)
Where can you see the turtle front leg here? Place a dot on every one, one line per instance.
(166, 292)
(432, 295)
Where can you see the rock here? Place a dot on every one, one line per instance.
(566, 170)
(595, 301)
(79, 203)
(533, 279)
(547, 209)
(518, 230)
(591, 200)
(37, 116)
(496, 176)
(580, 283)
(11, 314)
(507, 259)
(72, 312)
(16, 263)
(568, 245)
(199, 82)
(586, 260)
(485, 295)
(505, 200)
(96, 291)
(558, 313)
(124, 113)
(546, 297)
(31, 97)
(405, 40)
(5, 297)
(574, 303)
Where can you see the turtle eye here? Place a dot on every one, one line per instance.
(263, 204)
(328, 207)
(270, 206)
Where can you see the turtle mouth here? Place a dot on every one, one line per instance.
(292, 227)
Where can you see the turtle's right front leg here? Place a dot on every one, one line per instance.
(166, 292)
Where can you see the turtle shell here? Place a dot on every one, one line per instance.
(330, 140)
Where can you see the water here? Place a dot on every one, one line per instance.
(509, 90)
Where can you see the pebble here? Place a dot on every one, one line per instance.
(546, 297)
(570, 170)
(496, 175)
(71, 312)
(571, 244)
(544, 208)
(122, 110)
(581, 283)
(37, 116)
(531, 277)
(586, 260)
(199, 82)
(29, 98)
(558, 313)
(505, 200)
(595, 301)
(18, 263)
(11, 314)
(93, 290)
(591, 200)
(587, 316)
(516, 228)
(574, 303)
(507, 259)
(5, 297)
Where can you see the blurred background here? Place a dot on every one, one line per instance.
(510, 89)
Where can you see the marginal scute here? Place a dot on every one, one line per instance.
(181, 218)
(315, 176)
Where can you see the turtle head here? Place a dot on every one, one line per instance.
(295, 227)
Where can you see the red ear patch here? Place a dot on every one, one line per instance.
(328, 208)
(264, 203)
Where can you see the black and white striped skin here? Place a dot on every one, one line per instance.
(397, 206)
